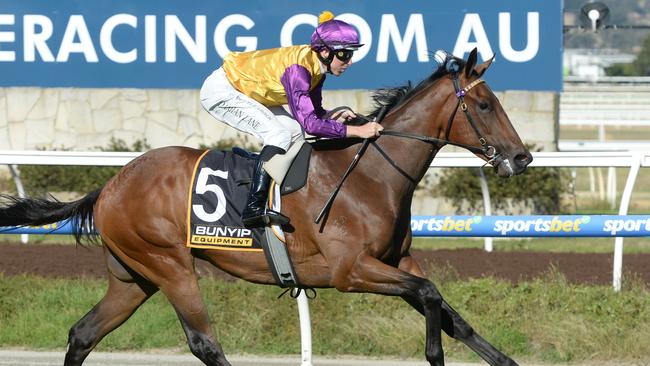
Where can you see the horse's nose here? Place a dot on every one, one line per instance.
(522, 160)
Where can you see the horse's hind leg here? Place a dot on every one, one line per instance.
(176, 278)
(455, 326)
(184, 295)
(123, 297)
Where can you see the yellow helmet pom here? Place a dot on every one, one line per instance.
(325, 16)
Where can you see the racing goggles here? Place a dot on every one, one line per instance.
(344, 55)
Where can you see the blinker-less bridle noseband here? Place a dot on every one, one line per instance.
(486, 150)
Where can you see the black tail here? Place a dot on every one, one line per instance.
(35, 211)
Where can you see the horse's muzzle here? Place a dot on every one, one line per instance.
(507, 167)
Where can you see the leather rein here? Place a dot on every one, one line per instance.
(486, 150)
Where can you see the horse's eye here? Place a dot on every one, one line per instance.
(483, 105)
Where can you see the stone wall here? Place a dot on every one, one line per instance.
(82, 119)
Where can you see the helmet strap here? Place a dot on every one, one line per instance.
(327, 61)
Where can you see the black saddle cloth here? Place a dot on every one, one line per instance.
(218, 196)
(219, 190)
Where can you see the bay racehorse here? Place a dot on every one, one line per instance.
(140, 215)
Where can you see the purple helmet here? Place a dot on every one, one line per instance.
(334, 35)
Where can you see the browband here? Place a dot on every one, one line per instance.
(463, 92)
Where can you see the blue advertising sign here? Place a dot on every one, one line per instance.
(478, 226)
(532, 226)
(61, 228)
(176, 43)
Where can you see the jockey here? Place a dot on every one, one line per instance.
(247, 92)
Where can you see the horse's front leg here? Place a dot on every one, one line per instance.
(368, 274)
(454, 325)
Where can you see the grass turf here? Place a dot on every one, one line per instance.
(545, 320)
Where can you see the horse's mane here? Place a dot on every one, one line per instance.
(389, 98)
(393, 97)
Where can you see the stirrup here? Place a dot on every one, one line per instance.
(268, 218)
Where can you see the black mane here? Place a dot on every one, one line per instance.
(393, 97)
(389, 97)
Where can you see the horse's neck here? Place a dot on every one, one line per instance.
(423, 116)
(393, 165)
(399, 162)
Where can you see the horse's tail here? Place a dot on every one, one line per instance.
(36, 211)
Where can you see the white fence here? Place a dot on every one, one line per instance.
(629, 159)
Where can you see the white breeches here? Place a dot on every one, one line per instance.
(274, 125)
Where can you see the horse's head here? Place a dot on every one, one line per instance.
(478, 119)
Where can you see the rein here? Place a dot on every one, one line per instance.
(488, 151)
(328, 204)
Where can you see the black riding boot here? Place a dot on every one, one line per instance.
(256, 213)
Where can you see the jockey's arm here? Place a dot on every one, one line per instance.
(296, 81)
(316, 96)
(370, 129)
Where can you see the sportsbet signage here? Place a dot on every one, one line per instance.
(176, 43)
(482, 226)
(531, 226)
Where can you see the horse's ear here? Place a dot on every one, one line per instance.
(480, 69)
(471, 62)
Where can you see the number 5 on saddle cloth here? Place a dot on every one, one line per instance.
(218, 192)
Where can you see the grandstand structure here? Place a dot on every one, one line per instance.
(605, 104)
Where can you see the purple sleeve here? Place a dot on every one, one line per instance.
(296, 81)
(316, 96)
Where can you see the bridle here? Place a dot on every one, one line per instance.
(489, 151)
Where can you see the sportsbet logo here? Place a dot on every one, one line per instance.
(630, 225)
(553, 225)
(447, 224)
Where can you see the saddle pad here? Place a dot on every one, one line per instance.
(217, 196)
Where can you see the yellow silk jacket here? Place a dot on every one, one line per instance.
(257, 74)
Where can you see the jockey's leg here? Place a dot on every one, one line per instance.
(230, 106)
(275, 128)
(281, 134)
(279, 165)
(255, 213)
(289, 124)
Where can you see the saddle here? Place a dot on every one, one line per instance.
(289, 170)
(214, 220)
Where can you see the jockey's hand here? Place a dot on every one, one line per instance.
(370, 129)
(344, 115)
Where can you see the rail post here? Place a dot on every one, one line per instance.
(625, 204)
(487, 204)
(305, 329)
(15, 174)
